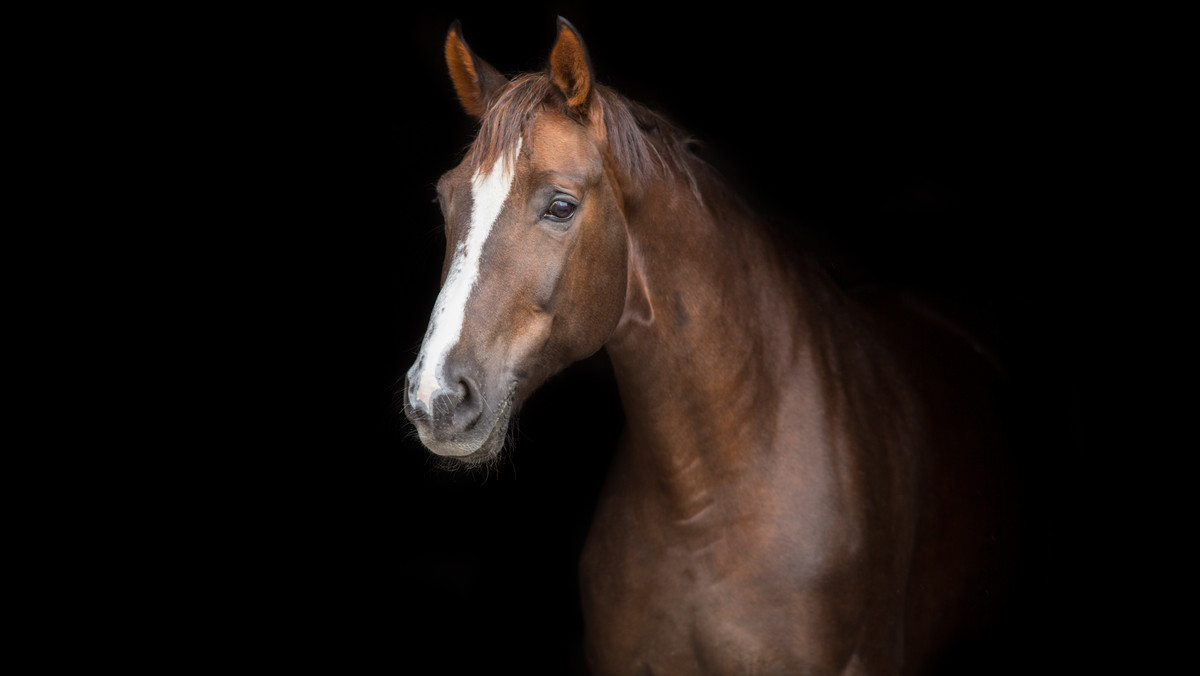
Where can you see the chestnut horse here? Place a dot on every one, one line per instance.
(802, 484)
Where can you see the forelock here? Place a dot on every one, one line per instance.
(642, 143)
(505, 121)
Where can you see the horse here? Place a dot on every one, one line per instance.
(808, 479)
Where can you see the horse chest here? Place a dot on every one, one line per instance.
(758, 580)
(671, 598)
(666, 609)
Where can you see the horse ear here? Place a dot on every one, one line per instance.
(474, 79)
(570, 67)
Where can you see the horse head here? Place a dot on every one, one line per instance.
(534, 276)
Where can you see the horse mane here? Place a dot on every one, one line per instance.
(645, 144)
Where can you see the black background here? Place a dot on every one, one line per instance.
(959, 153)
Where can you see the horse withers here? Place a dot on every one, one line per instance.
(804, 483)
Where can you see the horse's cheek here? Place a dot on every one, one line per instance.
(608, 277)
(594, 291)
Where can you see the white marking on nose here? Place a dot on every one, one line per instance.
(488, 192)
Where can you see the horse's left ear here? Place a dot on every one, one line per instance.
(570, 67)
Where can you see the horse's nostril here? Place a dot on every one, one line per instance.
(468, 408)
(456, 405)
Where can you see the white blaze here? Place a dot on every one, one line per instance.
(488, 192)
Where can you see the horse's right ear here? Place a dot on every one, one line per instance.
(474, 79)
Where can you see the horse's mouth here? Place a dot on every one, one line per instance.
(468, 451)
(494, 442)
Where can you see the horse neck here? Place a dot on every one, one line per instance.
(709, 332)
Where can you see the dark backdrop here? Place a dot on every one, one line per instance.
(947, 152)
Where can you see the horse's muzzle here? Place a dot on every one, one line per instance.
(454, 421)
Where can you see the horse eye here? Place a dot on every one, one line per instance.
(560, 210)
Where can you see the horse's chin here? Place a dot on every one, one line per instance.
(471, 453)
(476, 458)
